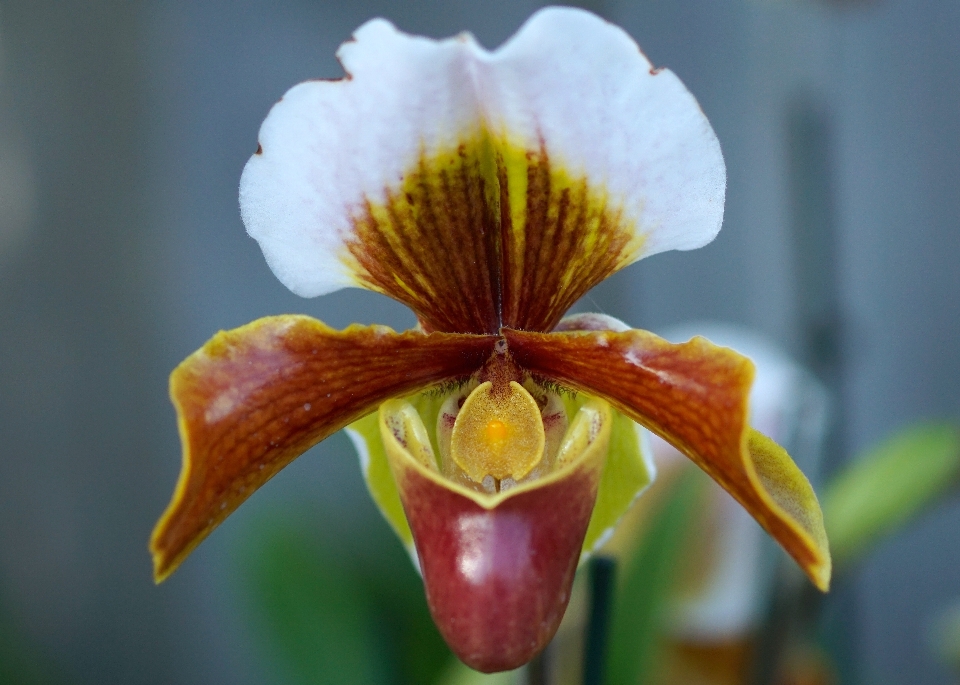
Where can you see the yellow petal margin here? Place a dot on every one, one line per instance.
(253, 399)
(696, 396)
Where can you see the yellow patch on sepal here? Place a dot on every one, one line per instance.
(784, 488)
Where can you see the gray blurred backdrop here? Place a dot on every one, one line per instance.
(123, 130)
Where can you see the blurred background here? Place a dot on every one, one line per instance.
(124, 127)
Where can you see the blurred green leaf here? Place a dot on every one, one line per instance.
(337, 612)
(20, 663)
(946, 637)
(639, 611)
(888, 485)
(418, 654)
(459, 674)
(316, 616)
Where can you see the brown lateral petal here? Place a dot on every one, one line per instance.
(695, 395)
(253, 399)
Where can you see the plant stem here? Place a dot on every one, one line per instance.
(601, 573)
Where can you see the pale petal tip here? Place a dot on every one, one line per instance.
(163, 565)
(821, 575)
(160, 570)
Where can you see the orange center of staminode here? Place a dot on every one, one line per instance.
(498, 434)
(496, 430)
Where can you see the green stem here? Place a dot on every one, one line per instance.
(601, 573)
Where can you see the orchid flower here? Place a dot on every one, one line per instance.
(487, 191)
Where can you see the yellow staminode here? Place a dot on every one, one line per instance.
(498, 434)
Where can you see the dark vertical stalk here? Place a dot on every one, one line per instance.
(538, 672)
(802, 617)
(815, 245)
(601, 574)
(821, 323)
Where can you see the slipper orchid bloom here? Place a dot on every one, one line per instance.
(488, 191)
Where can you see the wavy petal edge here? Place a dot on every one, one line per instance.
(563, 141)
